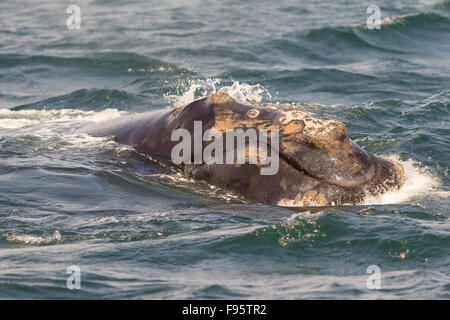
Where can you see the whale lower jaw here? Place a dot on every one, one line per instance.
(389, 176)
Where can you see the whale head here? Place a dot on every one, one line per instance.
(319, 165)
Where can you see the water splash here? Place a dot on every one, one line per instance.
(246, 93)
(420, 183)
(198, 89)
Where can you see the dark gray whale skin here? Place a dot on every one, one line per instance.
(319, 164)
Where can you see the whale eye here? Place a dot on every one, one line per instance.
(253, 113)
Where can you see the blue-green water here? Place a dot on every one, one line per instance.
(137, 231)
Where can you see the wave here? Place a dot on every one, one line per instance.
(411, 21)
(396, 35)
(107, 62)
(409, 33)
(86, 99)
(443, 6)
(309, 233)
(99, 80)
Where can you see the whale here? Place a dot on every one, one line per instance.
(317, 164)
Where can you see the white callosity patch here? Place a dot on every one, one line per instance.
(288, 116)
(319, 127)
(314, 127)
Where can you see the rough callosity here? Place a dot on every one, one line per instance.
(220, 98)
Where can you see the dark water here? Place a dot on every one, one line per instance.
(136, 231)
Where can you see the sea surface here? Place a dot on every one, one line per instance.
(136, 231)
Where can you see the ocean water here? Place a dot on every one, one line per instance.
(136, 230)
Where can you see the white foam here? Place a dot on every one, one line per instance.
(86, 142)
(16, 123)
(199, 187)
(10, 119)
(301, 215)
(50, 135)
(420, 183)
(27, 239)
